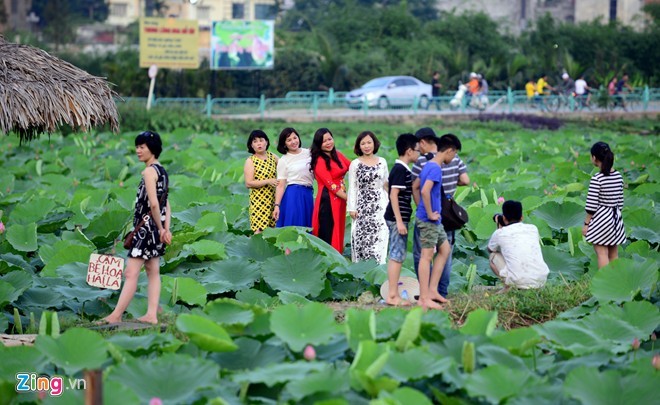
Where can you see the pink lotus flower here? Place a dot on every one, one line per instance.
(287, 251)
(635, 344)
(2, 227)
(656, 361)
(309, 354)
(500, 200)
(155, 401)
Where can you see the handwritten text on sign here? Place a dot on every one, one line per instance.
(105, 271)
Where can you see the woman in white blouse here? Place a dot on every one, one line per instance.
(294, 200)
(367, 201)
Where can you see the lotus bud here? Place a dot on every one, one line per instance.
(500, 200)
(653, 336)
(656, 361)
(469, 360)
(309, 354)
(2, 227)
(635, 344)
(287, 251)
(155, 401)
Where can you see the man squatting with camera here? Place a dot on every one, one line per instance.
(516, 256)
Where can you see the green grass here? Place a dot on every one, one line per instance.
(520, 308)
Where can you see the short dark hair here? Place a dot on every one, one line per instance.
(281, 142)
(453, 139)
(512, 210)
(359, 139)
(152, 140)
(405, 142)
(425, 133)
(444, 143)
(257, 133)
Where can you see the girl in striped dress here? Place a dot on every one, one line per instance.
(603, 226)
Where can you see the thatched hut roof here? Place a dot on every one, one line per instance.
(39, 92)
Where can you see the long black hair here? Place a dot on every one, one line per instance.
(602, 152)
(316, 151)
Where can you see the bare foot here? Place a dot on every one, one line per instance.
(428, 303)
(504, 290)
(145, 319)
(107, 321)
(439, 298)
(397, 301)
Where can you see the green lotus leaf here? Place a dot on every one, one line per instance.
(66, 253)
(488, 355)
(641, 315)
(32, 210)
(301, 272)
(409, 331)
(496, 383)
(254, 249)
(571, 337)
(611, 387)
(250, 355)
(10, 262)
(312, 324)
(357, 270)
(640, 217)
(146, 344)
(8, 293)
(75, 350)
(389, 321)
(212, 222)
(647, 189)
(370, 358)
(360, 325)
(174, 378)
(517, 341)
(279, 373)
(16, 359)
(480, 322)
(622, 279)
(560, 216)
(402, 396)
(205, 333)
(329, 380)
(256, 297)
(104, 229)
(561, 261)
(192, 215)
(207, 250)
(415, 364)
(645, 233)
(23, 237)
(233, 274)
(19, 279)
(53, 222)
(287, 297)
(188, 289)
(186, 196)
(115, 393)
(226, 311)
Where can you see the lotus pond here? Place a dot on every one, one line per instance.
(247, 323)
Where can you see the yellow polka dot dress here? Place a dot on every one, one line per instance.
(262, 199)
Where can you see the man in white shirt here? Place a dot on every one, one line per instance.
(516, 256)
(582, 91)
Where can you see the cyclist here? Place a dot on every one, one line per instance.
(582, 91)
(541, 85)
(618, 92)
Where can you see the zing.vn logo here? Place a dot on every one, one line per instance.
(32, 382)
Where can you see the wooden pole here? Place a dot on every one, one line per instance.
(93, 387)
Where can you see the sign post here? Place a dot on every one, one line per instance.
(153, 71)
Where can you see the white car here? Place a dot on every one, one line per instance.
(390, 91)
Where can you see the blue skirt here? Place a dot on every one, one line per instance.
(296, 206)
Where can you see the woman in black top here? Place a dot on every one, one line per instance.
(152, 220)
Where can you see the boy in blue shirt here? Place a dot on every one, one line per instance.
(398, 212)
(432, 233)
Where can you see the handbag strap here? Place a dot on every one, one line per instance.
(163, 197)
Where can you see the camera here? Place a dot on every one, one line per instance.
(499, 219)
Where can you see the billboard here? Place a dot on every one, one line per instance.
(242, 45)
(169, 43)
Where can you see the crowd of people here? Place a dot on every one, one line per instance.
(579, 89)
(379, 202)
(380, 205)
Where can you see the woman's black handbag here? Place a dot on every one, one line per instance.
(453, 215)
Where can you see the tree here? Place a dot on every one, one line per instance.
(59, 22)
